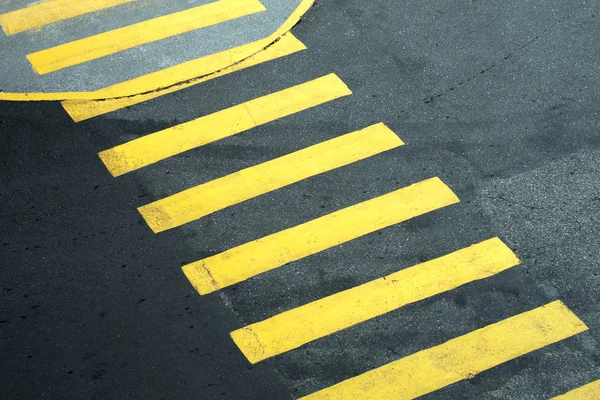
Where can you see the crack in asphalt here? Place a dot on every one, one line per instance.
(490, 67)
(200, 77)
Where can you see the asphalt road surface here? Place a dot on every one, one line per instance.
(500, 100)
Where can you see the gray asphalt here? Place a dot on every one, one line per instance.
(499, 99)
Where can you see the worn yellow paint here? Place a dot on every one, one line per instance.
(591, 391)
(106, 43)
(301, 325)
(48, 12)
(191, 72)
(270, 252)
(159, 87)
(460, 358)
(169, 142)
(199, 201)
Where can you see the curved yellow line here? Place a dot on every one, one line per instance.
(154, 85)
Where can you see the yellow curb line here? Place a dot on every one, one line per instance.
(158, 86)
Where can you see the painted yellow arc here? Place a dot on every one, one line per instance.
(164, 82)
(181, 76)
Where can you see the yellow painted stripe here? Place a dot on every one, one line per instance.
(191, 73)
(48, 12)
(460, 358)
(591, 391)
(103, 44)
(169, 142)
(292, 329)
(218, 194)
(253, 258)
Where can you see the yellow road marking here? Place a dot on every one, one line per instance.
(301, 325)
(194, 71)
(103, 44)
(51, 11)
(460, 358)
(270, 252)
(158, 86)
(169, 142)
(591, 391)
(218, 194)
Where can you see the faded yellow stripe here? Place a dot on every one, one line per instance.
(264, 254)
(460, 358)
(591, 391)
(103, 44)
(292, 329)
(48, 12)
(191, 73)
(169, 142)
(215, 195)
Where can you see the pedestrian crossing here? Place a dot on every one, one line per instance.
(218, 194)
(231, 121)
(115, 49)
(273, 251)
(460, 358)
(415, 375)
(301, 325)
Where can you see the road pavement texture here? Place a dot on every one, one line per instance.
(395, 200)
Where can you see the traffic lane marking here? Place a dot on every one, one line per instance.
(247, 260)
(202, 200)
(104, 44)
(591, 391)
(191, 73)
(460, 358)
(157, 146)
(301, 325)
(48, 12)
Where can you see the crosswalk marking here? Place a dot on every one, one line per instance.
(215, 195)
(191, 73)
(149, 149)
(103, 44)
(460, 358)
(591, 391)
(301, 325)
(48, 12)
(270, 252)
